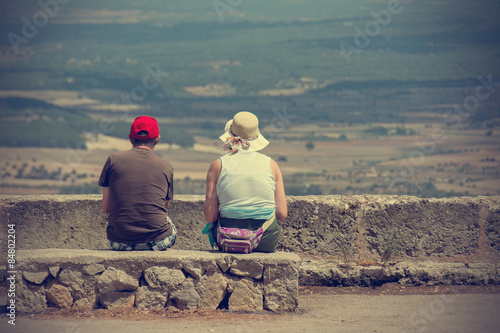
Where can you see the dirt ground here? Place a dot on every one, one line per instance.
(390, 289)
(388, 308)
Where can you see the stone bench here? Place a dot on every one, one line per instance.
(174, 279)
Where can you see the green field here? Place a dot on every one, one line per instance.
(270, 42)
(326, 72)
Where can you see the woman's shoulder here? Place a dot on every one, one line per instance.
(215, 166)
(263, 156)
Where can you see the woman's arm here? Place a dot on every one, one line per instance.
(106, 200)
(211, 201)
(279, 192)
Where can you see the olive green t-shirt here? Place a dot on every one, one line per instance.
(139, 182)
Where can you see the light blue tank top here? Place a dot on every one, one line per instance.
(245, 187)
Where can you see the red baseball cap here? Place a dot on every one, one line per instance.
(145, 124)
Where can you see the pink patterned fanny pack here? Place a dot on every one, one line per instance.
(240, 240)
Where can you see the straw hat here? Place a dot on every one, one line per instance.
(246, 126)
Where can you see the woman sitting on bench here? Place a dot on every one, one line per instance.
(244, 188)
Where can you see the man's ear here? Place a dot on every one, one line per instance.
(157, 139)
(130, 138)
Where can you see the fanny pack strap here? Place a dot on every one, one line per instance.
(268, 222)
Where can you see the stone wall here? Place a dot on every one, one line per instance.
(63, 258)
(174, 279)
(314, 272)
(348, 227)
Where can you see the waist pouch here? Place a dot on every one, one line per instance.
(240, 240)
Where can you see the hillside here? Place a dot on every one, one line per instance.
(323, 74)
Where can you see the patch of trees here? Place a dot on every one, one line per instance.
(43, 127)
(169, 134)
(303, 189)
(41, 173)
(81, 189)
(52, 127)
(381, 131)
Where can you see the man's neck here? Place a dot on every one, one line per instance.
(144, 147)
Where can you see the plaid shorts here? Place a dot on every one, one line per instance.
(160, 245)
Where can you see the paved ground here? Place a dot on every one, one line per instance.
(386, 309)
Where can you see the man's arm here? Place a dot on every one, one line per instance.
(211, 201)
(106, 200)
(167, 204)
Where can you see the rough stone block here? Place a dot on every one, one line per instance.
(422, 227)
(36, 277)
(163, 277)
(492, 236)
(224, 264)
(185, 297)
(319, 273)
(281, 288)
(117, 299)
(321, 225)
(60, 221)
(212, 290)
(244, 267)
(194, 269)
(30, 298)
(115, 280)
(147, 298)
(246, 296)
(54, 271)
(93, 269)
(80, 285)
(60, 296)
(85, 303)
